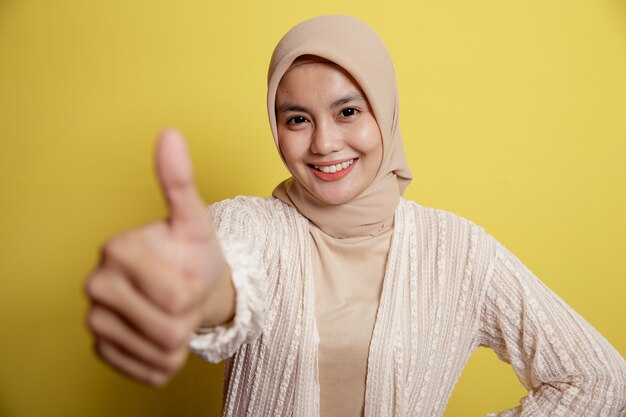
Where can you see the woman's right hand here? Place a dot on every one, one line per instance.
(154, 285)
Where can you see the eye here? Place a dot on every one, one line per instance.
(295, 120)
(349, 112)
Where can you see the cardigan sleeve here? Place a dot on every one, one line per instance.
(242, 239)
(568, 368)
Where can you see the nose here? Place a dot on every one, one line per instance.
(326, 139)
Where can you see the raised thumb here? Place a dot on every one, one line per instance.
(187, 213)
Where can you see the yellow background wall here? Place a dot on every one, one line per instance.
(513, 114)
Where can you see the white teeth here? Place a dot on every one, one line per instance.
(334, 168)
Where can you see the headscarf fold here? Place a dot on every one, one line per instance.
(354, 46)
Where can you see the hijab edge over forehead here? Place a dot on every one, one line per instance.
(355, 47)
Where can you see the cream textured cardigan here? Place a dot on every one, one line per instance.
(449, 288)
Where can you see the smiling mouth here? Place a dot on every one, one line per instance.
(331, 169)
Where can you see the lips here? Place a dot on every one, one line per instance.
(334, 168)
(333, 171)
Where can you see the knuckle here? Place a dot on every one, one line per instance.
(91, 287)
(96, 320)
(104, 285)
(118, 247)
(94, 316)
(111, 248)
(94, 287)
(99, 321)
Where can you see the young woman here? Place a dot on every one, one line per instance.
(336, 297)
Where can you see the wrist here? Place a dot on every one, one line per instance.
(219, 307)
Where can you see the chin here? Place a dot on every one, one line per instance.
(332, 194)
(335, 198)
(334, 202)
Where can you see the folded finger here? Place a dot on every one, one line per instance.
(109, 326)
(129, 366)
(168, 286)
(111, 289)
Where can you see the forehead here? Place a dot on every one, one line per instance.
(308, 77)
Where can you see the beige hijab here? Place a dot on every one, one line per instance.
(354, 46)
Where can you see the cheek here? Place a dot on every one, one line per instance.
(369, 141)
(290, 148)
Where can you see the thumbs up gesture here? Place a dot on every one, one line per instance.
(154, 285)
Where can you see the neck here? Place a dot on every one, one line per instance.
(369, 214)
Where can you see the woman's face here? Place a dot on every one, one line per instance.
(327, 132)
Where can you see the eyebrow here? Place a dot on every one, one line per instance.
(348, 99)
(287, 107)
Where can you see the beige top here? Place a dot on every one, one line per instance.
(348, 277)
(449, 288)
